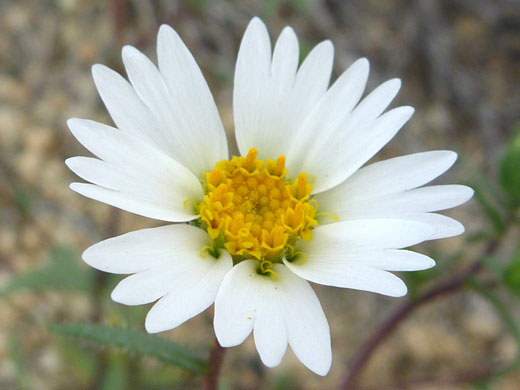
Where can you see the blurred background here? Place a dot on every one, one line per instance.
(460, 65)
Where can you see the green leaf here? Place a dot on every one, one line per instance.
(509, 169)
(80, 363)
(16, 355)
(61, 273)
(138, 342)
(23, 200)
(487, 194)
(511, 274)
(285, 381)
(509, 320)
(489, 208)
(115, 375)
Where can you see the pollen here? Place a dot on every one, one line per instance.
(254, 211)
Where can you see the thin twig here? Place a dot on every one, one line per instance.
(216, 358)
(403, 311)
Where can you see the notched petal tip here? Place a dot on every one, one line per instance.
(152, 327)
(90, 256)
(428, 263)
(321, 366)
(256, 27)
(73, 123)
(457, 229)
(466, 193)
(394, 84)
(226, 343)
(445, 158)
(255, 20)
(323, 50)
(95, 70)
(71, 163)
(102, 75)
(449, 155)
(167, 37)
(166, 29)
(407, 110)
(362, 62)
(117, 297)
(130, 52)
(400, 290)
(326, 44)
(323, 371)
(288, 30)
(75, 187)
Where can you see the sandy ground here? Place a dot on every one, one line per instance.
(459, 62)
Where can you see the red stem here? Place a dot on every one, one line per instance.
(402, 312)
(216, 358)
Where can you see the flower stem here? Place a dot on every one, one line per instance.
(404, 310)
(216, 358)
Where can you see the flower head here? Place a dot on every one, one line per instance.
(294, 206)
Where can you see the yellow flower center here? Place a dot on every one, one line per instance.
(253, 211)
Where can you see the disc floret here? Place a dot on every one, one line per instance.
(254, 211)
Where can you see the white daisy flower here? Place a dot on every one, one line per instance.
(294, 207)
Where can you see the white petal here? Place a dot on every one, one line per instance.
(431, 198)
(425, 199)
(279, 311)
(388, 177)
(386, 189)
(307, 328)
(325, 118)
(195, 290)
(192, 100)
(313, 77)
(133, 204)
(285, 59)
(394, 260)
(271, 98)
(134, 175)
(444, 226)
(168, 264)
(270, 334)
(373, 105)
(383, 259)
(143, 287)
(252, 76)
(356, 254)
(248, 300)
(419, 200)
(349, 275)
(382, 233)
(144, 249)
(99, 172)
(128, 112)
(184, 143)
(352, 149)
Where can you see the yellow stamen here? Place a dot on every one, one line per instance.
(266, 268)
(205, 250)
(195, 205)
(304, 257)
(250, 159)
(334, 216)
